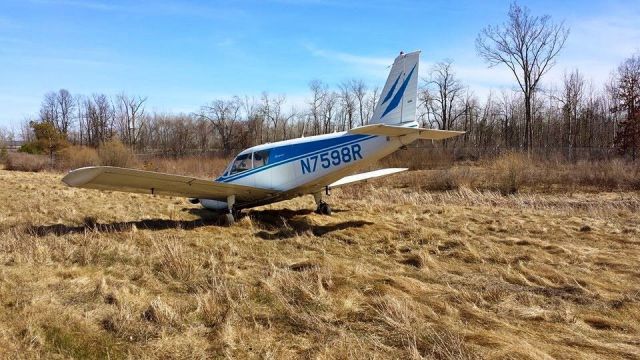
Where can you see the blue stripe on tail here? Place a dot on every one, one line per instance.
(393, 88)
(396, 99)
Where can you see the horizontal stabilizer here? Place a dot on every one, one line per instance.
(391, 130)
(365, 176)
(149, 182)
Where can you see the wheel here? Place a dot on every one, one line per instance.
(324, 209)
(228, 219)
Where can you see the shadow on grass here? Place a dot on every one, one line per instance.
(149, 224)
(205, 218)
(285, 223)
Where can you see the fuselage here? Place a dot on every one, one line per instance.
(305, 165)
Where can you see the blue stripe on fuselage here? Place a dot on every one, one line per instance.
(287, 153)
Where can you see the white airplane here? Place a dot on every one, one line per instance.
(283, 170)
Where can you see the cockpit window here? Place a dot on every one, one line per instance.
(260, 158)
(240, 164)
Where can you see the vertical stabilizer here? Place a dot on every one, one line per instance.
(398, 100)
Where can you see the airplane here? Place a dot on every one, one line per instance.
(283, 170)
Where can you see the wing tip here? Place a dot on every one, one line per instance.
(81, 176)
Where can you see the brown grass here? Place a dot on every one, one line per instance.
(394, 273)
(514, 172)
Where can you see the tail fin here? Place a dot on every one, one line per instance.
(398, 100)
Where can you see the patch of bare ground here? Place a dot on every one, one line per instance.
(394, 273)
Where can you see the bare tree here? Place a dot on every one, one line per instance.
(255, 121)
(348, 96)
(444, 91)
(26, 132)
(572, 98)
(223, 116)
(202, 134)
(81, 117)
(359, 90)
(6, 139)
(528, 46)
(99, 119)
(49, 108)
(57, 109)
(130, 115)
(587, 120)
(627, 95)
(372, 102)
(328, 110)
(509, 115)
(318, 93)
(66, 106)
(469, 112)
(272, 112)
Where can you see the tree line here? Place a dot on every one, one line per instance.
(575, 118)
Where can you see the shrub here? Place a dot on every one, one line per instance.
(115, 153)
(49, 140)
(510, 171)
(75, 157)
(420, 158)
(4, 155)
(30, 148)
(26, 162)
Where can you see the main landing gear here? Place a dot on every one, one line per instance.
(230, 217)
(323, 208)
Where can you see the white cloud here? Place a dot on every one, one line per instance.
(611, 36)
(371, 65)
(598, 44)
(476, 74)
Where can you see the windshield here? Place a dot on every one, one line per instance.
(240, 164)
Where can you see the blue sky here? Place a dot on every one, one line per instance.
(183, 54)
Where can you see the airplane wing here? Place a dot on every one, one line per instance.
(149, 182)
(365, 176)
(392, 130)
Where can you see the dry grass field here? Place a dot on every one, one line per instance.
(394, 273)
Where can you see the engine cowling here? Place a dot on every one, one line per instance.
(213, 204)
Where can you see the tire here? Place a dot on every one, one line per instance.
(324, 209)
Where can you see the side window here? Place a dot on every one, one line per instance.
(240, 164)
(260, 158)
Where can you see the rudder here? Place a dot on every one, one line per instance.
(398, 100)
